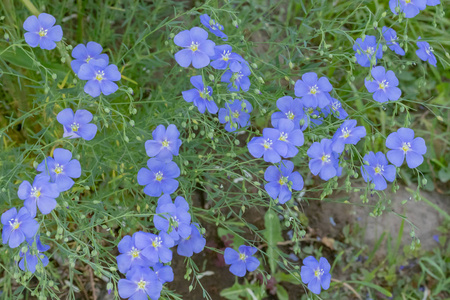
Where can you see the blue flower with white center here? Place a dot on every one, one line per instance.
(77, 125)
(139, 284)
(236, 115)
(165, 143)
(410, 8)
(316, 274)
(377, 170)
(268, 146)
(224, 57)
(241, 261)
(41, 31)
(290, 109)
(313, 91)
(130, 255)
(159, 177)
(390, 35)
(18, 226)
(41, 193)
(173, 218)
(291, 136)
(197, 48)
(92, 52)
(33, 256)
(201, 96)
(164, 273)
(384, 85)
(61, 169)
(367, 50)
(237, 76)
(425, 53)
(348, 133)
(194, 243)
(213, 26)
(282, 180)
(100, 78)
(404, 145)
(337, 110)
(323, 160)
(155, 247)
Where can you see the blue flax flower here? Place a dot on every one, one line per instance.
(390, 35)
(224, 57)
(194, 243)
(348, 133)
(42, 193)
(130, 255)
(378, 170)
(77, 125)
(41, 31)
(100, 78)
(323, 160)
(165, 143)
(282, 180)
(201, 96)
(411, 8)
(159, 177)
(425, 53)
(236, 115)
(384, 85)
(139, 284)
(18, 226)
(237, 76)
(155, 247)
(241, 261)
(164, 273)
(173, 218)
(198, 49)
(290, 109)
(316, 274)
(337, 110)
(61, 168)
(213, 26)
(34, 255)
(291, 136)
(313, 91)
(403, 144)
(268, 146)
(367, 50)
(433, 2)
(92, 52)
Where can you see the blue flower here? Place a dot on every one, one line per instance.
(236, 115)
(165, 143)
(18, 226)
(140, 283)
(348, 133)
(198, 48)
(77, 125)
(155, 247)
(313, 117)
(241, 261)
(164, 273)
(411, 8)
(292, 137)
(403, 144)
(290, 109)
(237, 76)
(130, 255)
(367, 50)
(316, 274)
(194, 243)
(224, 57)
(337, 110)
(201, 95)
(378, 170)
(313, 91)
(425, 53)
(173, 218)
(282, 180)
(268, 146)
(41, 31)
(61, 169)
(433, 2)
(100, 78)
(390, 35)
(213, 26)
(92, 52)
(34, 255)
(159, 177)
(42, 193)
(323, 160)
(384, 85)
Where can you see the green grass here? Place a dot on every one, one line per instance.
(281, 40)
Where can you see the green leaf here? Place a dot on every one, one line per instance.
(372, 286)
(272, 234)
(233, 292)
(282, 294)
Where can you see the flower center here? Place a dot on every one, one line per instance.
(325, 158)
(174, 222)
(141, 284)
(394, 40)
(429, 50)
(384, 84)
(370, 50)
(283, 180)
(345, 133)
(336, 105)
(267, 144)
(242, 256)
(407, 1)
(318, 273)
(379, 169)
(43, 32)
(283, 137)
(236, 114)
(75, 127)
(204, 94)
(159, 176)
(134, 252)
(99, 76)
(14, 223)
(406, 147)
(194, 46)
(58, 169)
(290, 115)
(88, 58)
(313, 90)
(226, 55)
(156, 243)
(35, 192)
(165, 143)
